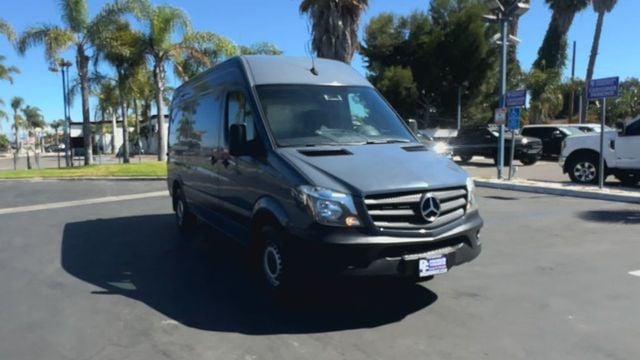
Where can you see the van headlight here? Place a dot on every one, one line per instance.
(328, 207)
(471, 194)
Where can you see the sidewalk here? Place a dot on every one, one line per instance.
(546, 177)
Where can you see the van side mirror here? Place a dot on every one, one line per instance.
(557, 134)
(238, 140)
(620, 127)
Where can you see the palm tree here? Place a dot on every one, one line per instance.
(33, 119)
(601, 7)
(76, 33)
(16, 104)
(56, 125)
(334, 26)
(108, 103)
(123, 48)
(162, 22)
(552, 52)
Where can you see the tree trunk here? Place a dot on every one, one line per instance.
(592, 63)
(552, 52)
(123, 108)
(125, 133)
(158, 76)
(114, 127)
(17, 151)
(28, 160)
(136, 117)
(82, 61)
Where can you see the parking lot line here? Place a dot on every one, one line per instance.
(64, 204)
(635, 273)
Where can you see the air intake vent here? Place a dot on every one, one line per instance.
(415, 148)
(331, 152)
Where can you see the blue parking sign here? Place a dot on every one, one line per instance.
(513, 119)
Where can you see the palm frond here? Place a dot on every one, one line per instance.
(7, 30)
(75, 14)
(54, 38)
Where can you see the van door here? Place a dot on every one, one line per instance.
(241, 177)
(199, 132)
(628, 147)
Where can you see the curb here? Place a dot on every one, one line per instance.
(105, 178)
(538, 189)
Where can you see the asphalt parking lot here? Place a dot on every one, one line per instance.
(97, 270)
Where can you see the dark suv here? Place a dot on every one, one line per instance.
(483, 141)
(551, 136)
(312, 170)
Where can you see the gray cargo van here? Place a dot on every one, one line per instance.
(308, 166)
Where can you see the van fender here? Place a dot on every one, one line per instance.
(268, 209)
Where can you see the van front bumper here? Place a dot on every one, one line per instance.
(351, 252)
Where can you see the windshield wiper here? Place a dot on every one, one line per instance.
(387, 141)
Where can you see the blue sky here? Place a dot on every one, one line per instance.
(278, 21)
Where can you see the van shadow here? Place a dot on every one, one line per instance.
(631, 217)
(203, 281)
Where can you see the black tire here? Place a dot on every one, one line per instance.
(465, 158)
(185, 219)
(583, 169)
(271, 262)
(528, 160)
(628, 179)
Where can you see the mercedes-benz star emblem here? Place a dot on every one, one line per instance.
(430, 208)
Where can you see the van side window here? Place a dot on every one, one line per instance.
(239, 112)
(197, 127)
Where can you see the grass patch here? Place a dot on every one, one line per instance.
(109, 170)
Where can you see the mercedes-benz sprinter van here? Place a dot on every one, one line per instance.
(306, 164)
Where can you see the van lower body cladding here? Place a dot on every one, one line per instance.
(353, 252)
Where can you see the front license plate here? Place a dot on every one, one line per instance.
(432, 266)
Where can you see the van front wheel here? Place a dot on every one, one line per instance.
(271, 262)
(184, 217)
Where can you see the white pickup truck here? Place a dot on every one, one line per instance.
(580, 155)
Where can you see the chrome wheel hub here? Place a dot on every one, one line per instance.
(585, 171)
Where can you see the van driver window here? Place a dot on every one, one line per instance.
(239, 112)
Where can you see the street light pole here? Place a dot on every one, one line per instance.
(504, 11)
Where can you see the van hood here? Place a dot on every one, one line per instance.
(376, 168)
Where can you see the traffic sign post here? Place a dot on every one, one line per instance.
(513, 123)
(602, 89)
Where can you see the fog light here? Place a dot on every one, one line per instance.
(352, 221)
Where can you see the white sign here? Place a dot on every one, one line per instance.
(500, 117)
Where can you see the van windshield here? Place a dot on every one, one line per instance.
(310, 115)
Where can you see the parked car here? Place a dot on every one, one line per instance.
(580, 156)
(483, 141)
(54, 148)
(314, 177)
(551, 136)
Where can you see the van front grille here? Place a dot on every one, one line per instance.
(402, 211)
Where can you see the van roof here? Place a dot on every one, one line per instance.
(275, 69)
(265, 69)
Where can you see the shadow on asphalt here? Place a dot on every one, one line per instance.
(203, 281)
(631, 217)
(475, 163)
